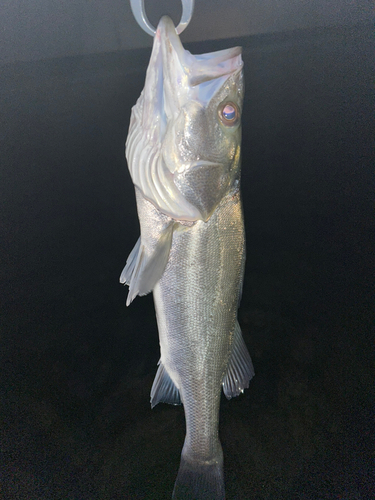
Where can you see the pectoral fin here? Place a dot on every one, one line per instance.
(143, 271)
(163, 389)
(240, 368)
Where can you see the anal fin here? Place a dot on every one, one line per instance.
(163, 389)
(240, 368)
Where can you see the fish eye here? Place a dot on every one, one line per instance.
(229, 113)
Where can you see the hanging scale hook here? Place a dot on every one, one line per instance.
(138, 8)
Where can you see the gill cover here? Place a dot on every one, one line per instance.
(175, 78)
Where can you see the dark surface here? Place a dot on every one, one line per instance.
(77, 365)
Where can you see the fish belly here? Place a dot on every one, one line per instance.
(196, 303)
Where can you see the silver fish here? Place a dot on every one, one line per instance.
(183, 153)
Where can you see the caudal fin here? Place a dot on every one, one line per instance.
(199, 482)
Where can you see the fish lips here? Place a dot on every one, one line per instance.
(203, 184)
(183, 72)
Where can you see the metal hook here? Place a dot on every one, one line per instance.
(138, 8)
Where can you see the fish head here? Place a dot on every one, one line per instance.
(189, 114)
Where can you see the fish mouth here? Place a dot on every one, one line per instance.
(167, 35)
(206, 66)
(180, 65)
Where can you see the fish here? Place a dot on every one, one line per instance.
(183, 152)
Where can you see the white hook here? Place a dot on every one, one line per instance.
(138, 8)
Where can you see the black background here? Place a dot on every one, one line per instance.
(77, 365)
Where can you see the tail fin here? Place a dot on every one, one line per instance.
(197, 481)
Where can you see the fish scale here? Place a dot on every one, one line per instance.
(183, 154)
(196, 334)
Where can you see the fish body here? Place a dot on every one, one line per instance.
(183, 153)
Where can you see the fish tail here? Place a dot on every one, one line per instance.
(197, 481)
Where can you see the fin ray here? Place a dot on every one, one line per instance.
(240, 368)
(130, 264)
(142, 272)
(163, 389)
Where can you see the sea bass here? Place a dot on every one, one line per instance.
(183, 154)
